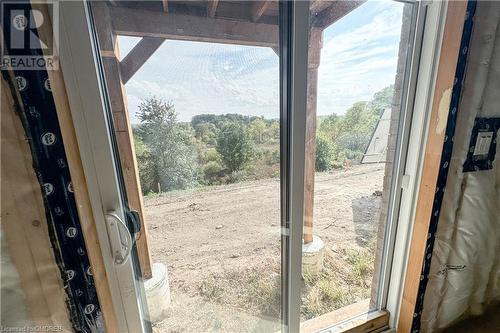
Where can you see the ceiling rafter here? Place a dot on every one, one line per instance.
(212, 7)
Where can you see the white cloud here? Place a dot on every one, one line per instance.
(358, 58)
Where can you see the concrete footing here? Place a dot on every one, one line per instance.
(158, 293)
(312, 256)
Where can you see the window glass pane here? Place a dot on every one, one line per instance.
(196, 111)
(357, 57)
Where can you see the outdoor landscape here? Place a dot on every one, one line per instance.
(211, 189)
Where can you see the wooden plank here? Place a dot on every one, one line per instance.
(433, 149)
(134, 60)
(212, 7)
(336, 11)
(334, 317)
(141, 23)
(353, 318)
(258, 9)
(24, 226)
(165, 5)
(315, 44)
(123, 130)
(80, 186)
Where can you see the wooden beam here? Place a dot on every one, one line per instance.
(78, 180)
(334, 12)
(123, 128)
(258, 8)
(212, 7)
(448, 58)
(318, 5)
(141, 23)
(138, 56)
(315, 45)
(165, 5)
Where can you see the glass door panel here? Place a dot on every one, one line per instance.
(356, 105)
(194, 95)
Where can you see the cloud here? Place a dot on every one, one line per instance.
(358, 58)
(357, 62)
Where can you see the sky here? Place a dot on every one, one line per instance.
(358, 58)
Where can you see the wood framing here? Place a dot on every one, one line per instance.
(24, 231)
(123, 128)
(433, 149)
(258, 9)
(140, 23)
(212, 7)
(335, 12)
(138, 56)
(315, 45)
(79, 185)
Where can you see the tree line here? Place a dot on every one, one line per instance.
(221, 149)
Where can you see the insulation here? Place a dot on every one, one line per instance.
(465, 269)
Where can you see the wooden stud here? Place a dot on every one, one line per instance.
(258, 9)
(448, 58)
(123, 128)
(138, 56)
(212, 7)
(315, 45)
(78, 180)
(165, 5)
(141, 23)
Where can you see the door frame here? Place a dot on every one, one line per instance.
(89, 104)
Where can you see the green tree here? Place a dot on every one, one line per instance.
(330, 127)
(206, 132)
(234, 146)
(383, 99)
(144, 164)
(257, 130)
(359, 118)
(275, 130)
(171, 154)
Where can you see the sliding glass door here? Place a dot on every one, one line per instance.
(244, 158)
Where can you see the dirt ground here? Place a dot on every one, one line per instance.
(234, 230)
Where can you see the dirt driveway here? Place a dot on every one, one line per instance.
(228, 229)
(224, 228)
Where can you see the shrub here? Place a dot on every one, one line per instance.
(212, 172)
(324, 154)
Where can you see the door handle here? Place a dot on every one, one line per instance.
(119, 237)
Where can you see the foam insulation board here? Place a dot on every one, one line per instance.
(465, 268)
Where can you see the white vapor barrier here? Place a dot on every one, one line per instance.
(465, 268)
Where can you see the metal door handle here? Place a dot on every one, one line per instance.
(120, 238)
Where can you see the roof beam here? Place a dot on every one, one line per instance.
(335, 12)
(212, 7)
(258, 8)
(142, 23)
(138, 56)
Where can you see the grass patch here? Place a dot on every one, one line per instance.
(211, 290)
(345, 279)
